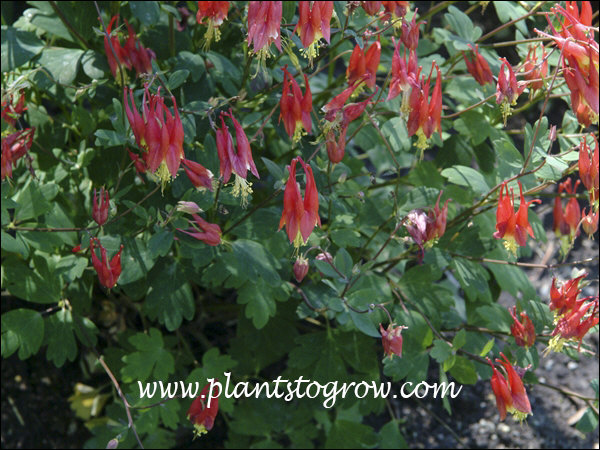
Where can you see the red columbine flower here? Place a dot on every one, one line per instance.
(300, 215)
(588, 170)
(436, 227)
(238, 161)
(10, 112)
(133, 54)
(139, 164)
(108, 272)
(14, 147)
(201, 413)
(510, 226)
(410, 32)
(566, 224)
(396, 10)
(574, 324)
(589, 222)
(215, 13)
(362, 64)
(338, 116)
(510, 395)
(507, 89)
(295, 108)
(580, 58)
(199, 175)
(563, 298)
(478, 67)
(300, 268)
(405, 76)
(522, 330)
(534, 70)
(426, 115)
(392, 340)
(313, 24)
(159, 133)
(100, 211)
(200, 229)
(264, 22)
(371, 8)
(570, 313)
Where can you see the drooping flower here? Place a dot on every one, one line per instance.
(371, 7)
(201, 413)
(510, 392)
(396, 10)
(572, 315)
(588, 170)
(100, 208)
(416, 224)
(199, 175)
(478, 67)
(563, 297)
(159, 133)
(507, 89)
(300, 268)
(338, 116)
(404, 77)
(364, 63)
(589, 222)
(535, 72)
(264, 22)
(10, 112)
(138, 163)
(300, 215)
(108, 272)
(132, 54)
(214, 13)
(580, 49)
(510, 226)
(209, 233)
(237, 161)
(188, 207)
(566, 223)
(410, 32)
(295, 108)
(436, 226)
(522, 330)
(575, 324)
(14, 147)
(425, 115)
(391, 339)
(313, 24)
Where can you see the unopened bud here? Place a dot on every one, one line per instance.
(300, 269)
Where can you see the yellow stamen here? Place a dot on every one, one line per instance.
(242, 188)
(506, 110)
(298, 242)
(163, 175)
(421, 143)
(510, 245)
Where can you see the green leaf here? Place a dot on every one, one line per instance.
(496, 317)
(146, 12)
(464, 371)
(136, 260)
(150, 359)
(343, 262)
(178, 77)
(346, 434)
(109, 138)
(391, 437)
(18, 47)
(22, 329)
(441, 351)
(60, 338)
(160, 243)
(488, 346)
(588, 422)
(34, 285)
(252, 260)
(460, 339)
(461, 24)
(31, 203)
(259, 304)
(62, 63)
(466, 176)
(170, 297)
(276, 171)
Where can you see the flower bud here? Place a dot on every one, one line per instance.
(300, 269)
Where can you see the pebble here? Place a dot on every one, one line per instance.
(503, 428)
(549, 364)
(572, 365)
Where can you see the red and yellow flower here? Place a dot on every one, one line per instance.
(108, 272)
(201, 414)
(510, 392)
(214, 13)
(300, 215)
(295, 108)
(264, 22)
(313, 24)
